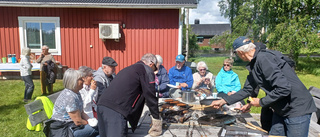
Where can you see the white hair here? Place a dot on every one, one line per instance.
(70, 79)
(149, 58)
(85, 71)
(45, 46)
(159, 59)
(246, 48)
(202, 64)
(26, 51)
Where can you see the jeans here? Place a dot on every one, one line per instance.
(29, 86)
(87, 131)
(111, 123)
(291, 127)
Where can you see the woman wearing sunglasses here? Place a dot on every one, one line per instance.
(227, 82)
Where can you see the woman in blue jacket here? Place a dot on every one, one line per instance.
(227, 82)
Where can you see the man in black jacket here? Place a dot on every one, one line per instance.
(285, 93)
(124, 99)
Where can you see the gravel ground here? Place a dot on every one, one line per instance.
(256, 117)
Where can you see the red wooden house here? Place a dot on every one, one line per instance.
(71, 29)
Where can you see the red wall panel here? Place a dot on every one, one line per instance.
(146, 30)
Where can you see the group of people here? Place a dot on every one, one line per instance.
(180, 76)
(100, 103)
(47, 72)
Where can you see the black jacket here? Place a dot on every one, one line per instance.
(129, 90)
(49, 69)
(285, 93)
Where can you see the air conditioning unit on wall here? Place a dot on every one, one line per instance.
(109, 31)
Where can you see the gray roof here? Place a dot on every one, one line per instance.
(209, 29)
(102, 3)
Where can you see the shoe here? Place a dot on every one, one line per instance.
(27, 100)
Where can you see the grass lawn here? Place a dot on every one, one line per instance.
(13, 116)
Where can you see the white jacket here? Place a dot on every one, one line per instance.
(25, 66)
(89, 98)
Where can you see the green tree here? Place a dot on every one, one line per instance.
(289, 25)
(193, 46)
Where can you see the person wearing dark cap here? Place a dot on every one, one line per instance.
(290, 100)
(180, 76)
(105, 74)
(124, 99)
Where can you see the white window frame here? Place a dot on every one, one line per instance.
(23, 37)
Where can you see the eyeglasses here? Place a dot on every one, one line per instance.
(202, 69)
(235, 52)
(154, 65)
(226, 65)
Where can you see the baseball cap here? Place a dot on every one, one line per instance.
(180, 58)
(242, 40)
(109, 61)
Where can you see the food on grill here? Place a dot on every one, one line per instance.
(174, 102)
(181, 104)
(168, 100)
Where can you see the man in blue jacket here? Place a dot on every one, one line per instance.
(180, 76)
(285, 93)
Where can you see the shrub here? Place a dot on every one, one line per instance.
(205, 49)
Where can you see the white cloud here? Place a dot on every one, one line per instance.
(208, 12)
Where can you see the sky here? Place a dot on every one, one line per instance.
(208, 12)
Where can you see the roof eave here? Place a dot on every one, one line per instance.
(99, 5)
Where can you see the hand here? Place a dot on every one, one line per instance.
(42, 55)
(202, 79)
(218, 103)
(156, 128)
(183, 85)
(93, 85)
(255, 102)
(93, 122)
(207, 82)
(45, 63)
(231, 92)
(245, 108)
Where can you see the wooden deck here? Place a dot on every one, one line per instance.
(180, 130)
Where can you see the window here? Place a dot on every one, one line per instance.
(38, 31)
(199, 40)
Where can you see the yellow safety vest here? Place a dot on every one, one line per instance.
(48, 108)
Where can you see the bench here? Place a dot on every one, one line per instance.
(38, 106)
(315, 117)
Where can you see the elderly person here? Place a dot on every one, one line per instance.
(163, 79)
(44, 58)
(26, 74)
(290, 100)
(68, 116)
(89, 92)
(227, 81)
(125, 98)
(203, 81)
(181, 76)
(105, 74)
